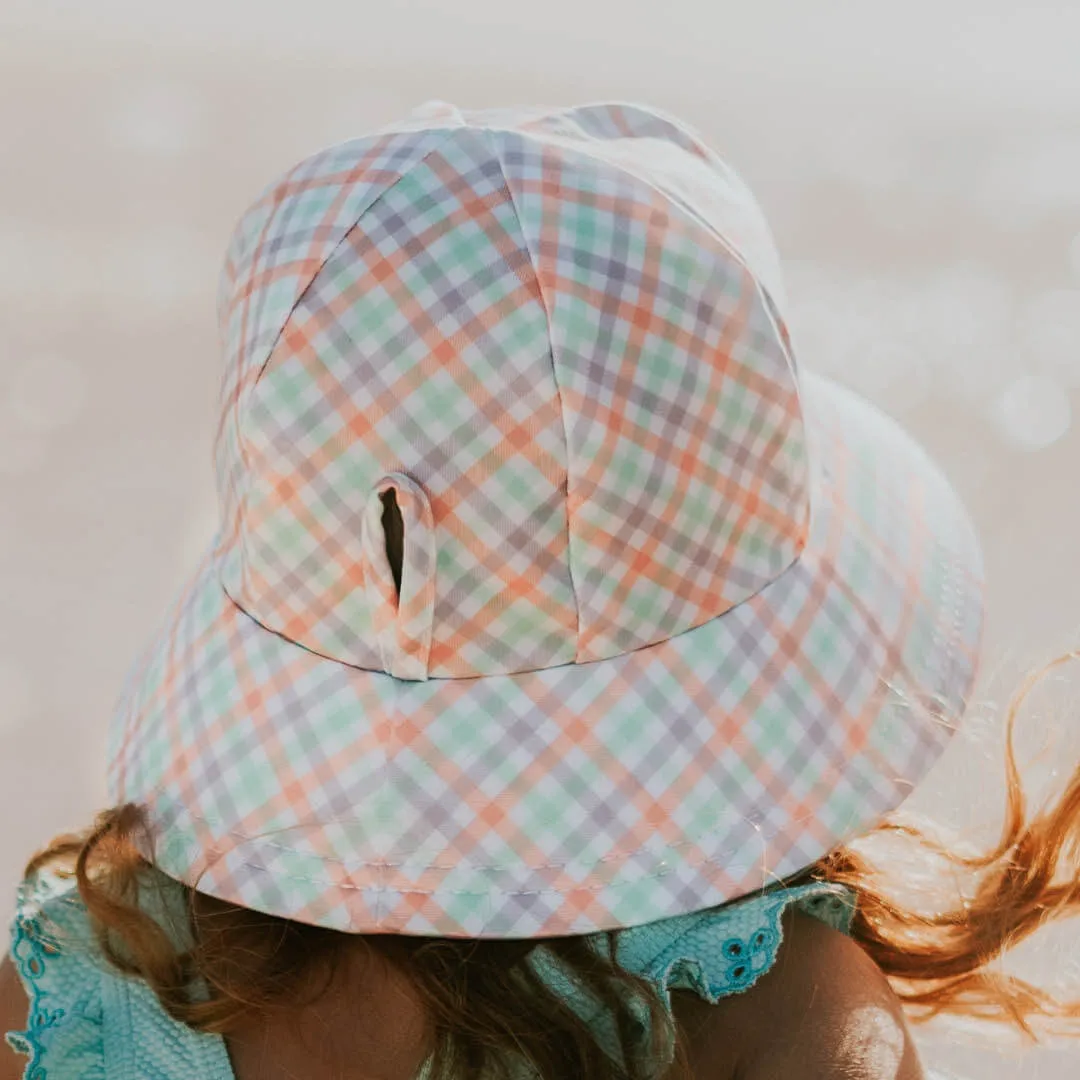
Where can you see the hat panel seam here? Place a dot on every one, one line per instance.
(489, 133)
(269, 358)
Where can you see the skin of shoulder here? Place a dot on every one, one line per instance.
(14, 1008)
(824, 1011)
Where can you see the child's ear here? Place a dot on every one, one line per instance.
(14, 1012)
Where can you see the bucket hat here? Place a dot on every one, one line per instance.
(674, 616)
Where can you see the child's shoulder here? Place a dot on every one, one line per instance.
(14, 1016)
(69, 1010)
(49, 981)
(823, 1009)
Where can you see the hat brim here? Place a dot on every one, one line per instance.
(584, 797)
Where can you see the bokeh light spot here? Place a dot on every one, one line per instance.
(1034, 412)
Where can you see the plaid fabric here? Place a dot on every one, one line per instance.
(672, 619)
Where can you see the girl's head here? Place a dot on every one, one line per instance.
(673, 616)
(550, 597)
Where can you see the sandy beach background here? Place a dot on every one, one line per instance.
(920, 164)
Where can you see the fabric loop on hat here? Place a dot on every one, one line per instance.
(402, 620)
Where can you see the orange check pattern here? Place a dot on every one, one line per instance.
(673, 618)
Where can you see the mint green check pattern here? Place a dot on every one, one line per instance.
(676, 618)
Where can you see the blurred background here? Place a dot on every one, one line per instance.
(920, 165)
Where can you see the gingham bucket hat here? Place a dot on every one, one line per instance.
(674, 617)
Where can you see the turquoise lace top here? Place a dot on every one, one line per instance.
(87, 1020)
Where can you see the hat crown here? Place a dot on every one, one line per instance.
(556, 335)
